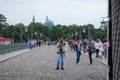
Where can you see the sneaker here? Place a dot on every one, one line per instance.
(57, 68)
(76, 63)
(62, 68)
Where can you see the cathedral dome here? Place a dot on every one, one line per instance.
(48, 22)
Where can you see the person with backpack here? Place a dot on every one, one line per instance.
(60, 54)
(90, 50)
(78, 51)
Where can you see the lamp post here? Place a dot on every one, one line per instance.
(76, 35)
(21, 34)
(80, 33)
(31, 32)
(72, 36)
(84, 31)
(40, 35)
(35, 33)
(104, 25)
(104, 22)
(89, 33)
(26, 29)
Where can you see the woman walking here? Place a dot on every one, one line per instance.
(78, 50)
(97, 48)
(100, 48)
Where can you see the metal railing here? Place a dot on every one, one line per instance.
(12, 47)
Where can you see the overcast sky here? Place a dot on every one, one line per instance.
(65, 12)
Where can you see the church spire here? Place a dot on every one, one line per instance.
(46, 18)
(33, 20)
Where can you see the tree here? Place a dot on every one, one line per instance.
(20, 28)
(99, 33)
(2, 22)
(2, 19)
(37, 28)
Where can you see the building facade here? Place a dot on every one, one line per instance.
(114, 37)
(5, 41)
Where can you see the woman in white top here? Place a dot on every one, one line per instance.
(100, 48)
(66, 47)
(97, 48)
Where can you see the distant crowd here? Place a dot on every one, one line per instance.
(37, 43)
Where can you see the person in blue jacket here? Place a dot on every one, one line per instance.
(78, 51)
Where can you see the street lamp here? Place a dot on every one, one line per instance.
(69, 36)
(84, 31)
(103, 24)
(31, 32)
(89, 33)
(76, 35)
(26, 29)
(35, 33)
(40, 35)
(72, 36)
(79, 32)
(21, 34)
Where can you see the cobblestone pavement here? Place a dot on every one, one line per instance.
(40, 64)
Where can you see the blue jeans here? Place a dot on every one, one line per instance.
(60, 59)
(97, 53)
(78, 57)
(30, 46)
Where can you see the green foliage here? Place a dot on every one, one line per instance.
(99, 33)
(2, 24)
(40, 31)
(2, 18)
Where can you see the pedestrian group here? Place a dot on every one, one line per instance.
(88, 47)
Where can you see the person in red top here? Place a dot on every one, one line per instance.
(105, 47)
(75, 44)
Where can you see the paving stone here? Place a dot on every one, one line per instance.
(40, 64)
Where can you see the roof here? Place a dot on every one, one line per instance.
(48, 22)
(5, 39)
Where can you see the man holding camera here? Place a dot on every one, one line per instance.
(60, 54)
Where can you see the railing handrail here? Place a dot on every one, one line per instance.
(13, 47)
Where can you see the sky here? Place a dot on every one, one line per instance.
(64, 12)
